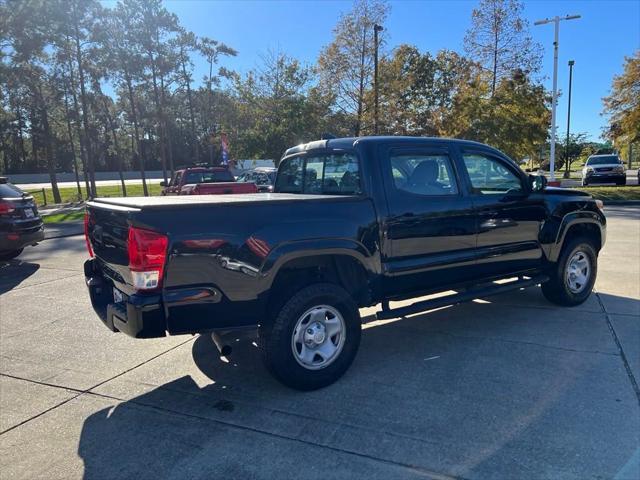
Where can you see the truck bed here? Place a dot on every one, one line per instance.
(151, 203)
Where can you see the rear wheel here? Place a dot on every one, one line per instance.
(622, 182)
(9, 254)
(313, 339)
(585, 183)
(572, 278)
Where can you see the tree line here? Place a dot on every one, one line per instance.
(88, 88)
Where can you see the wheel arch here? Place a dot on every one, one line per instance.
(344, 263)
(585, 224)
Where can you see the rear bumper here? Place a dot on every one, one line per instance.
(16, 240)
(139, 316)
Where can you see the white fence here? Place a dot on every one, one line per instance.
(20, 178)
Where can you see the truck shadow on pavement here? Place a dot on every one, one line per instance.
(476, 390)
(14, 272)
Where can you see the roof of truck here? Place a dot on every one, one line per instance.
(350, 142)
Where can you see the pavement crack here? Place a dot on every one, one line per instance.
(44, 283)
(413, 468)
(632, 378)
(80, 391)
(520, 342)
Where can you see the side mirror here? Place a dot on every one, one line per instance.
(163, 183)
(538, 182)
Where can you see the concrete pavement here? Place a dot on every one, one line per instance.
(508, 387)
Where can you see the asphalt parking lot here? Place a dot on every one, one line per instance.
(508, 387)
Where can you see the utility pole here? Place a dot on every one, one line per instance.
(376, 28)
(556, 21)
(567, 161)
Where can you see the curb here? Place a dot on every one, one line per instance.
(63, 229)
(63, 235)
(622, 202)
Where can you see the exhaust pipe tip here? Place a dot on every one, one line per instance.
(224, 348)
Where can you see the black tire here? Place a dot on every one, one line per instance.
(622, 182)
(10, 254)
(585, 183)
(557, 289)
(276, 337)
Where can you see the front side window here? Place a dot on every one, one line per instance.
(490, 176)
(176, 179)
(423, 174)
(329, 174)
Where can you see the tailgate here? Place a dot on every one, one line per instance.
(108, 230)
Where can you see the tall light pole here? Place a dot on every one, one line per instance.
(376, 28)
(556, 21)
(566, 153)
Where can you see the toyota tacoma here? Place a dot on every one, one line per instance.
(352, 222)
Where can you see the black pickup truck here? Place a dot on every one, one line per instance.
(353, 222)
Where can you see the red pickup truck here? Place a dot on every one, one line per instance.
(205, 181)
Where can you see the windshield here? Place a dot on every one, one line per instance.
(604, 160)
(209, 177)
(8, 190)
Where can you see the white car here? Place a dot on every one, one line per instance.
(604, 169)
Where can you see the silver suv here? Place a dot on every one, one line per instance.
(603, 169)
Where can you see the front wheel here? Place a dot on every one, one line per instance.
(10, 254)
(311, 342)
(572, 278)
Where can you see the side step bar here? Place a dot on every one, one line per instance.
(386, 313)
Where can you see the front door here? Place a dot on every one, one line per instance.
(509, 218)
(429, 232)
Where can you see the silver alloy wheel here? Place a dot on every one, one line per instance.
(318, 337)
(578, 272)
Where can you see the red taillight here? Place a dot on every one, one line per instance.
(6, 208)
(147, 256)
(87, 220)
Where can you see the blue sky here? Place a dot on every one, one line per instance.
(598, 42)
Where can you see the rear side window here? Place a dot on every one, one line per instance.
(8, 190)
(329, 174)
(424, 174)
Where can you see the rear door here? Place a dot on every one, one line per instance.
(509, 218)
(429, 232)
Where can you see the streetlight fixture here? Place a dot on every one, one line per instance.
(566, 160)
(556, 20)
(376, 28)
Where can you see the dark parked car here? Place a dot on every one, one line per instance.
(354, 222)
(263, 177)
(20, 223)
(205, 180)
(604, 169)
